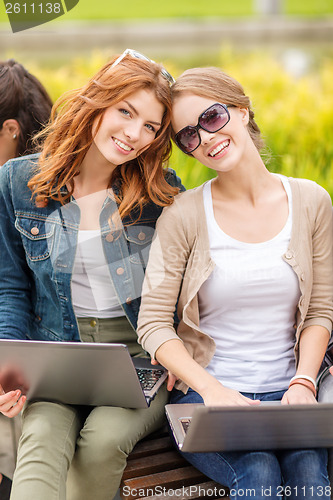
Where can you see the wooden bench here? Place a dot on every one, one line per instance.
(156, 471)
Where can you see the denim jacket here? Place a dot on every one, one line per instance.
(38, 247)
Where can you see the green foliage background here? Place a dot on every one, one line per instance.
(295, 115)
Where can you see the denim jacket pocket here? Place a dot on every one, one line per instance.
(37, 237)
(139, 239)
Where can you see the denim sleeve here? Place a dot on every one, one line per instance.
(174, 180)
(15, 282)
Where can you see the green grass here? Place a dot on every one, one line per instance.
(136, 9)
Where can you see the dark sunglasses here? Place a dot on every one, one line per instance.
(212, 119)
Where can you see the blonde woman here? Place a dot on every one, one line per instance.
(249, 264)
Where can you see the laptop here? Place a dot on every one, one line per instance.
(80, 373)
(270, 425)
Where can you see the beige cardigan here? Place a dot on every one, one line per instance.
(180, 262)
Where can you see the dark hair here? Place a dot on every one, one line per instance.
(24, 99)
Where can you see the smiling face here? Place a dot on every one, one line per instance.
(127, 128)
(221, 150)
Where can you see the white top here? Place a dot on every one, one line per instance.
(93, 293)
(250, 285)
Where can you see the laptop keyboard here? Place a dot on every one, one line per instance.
(149, 377)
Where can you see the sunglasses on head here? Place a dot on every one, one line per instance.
(137, 55)
(212, 119)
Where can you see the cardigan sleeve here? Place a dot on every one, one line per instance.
(320, 310)
(167, 262)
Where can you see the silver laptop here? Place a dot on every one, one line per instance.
(199, 428)
(80, 373)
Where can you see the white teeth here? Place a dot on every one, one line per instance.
(219, 148)
(122, 145)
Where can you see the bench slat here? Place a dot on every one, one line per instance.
(172, 479)
(154, 463)
(150, 446)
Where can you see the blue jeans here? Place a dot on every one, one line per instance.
(290, 474)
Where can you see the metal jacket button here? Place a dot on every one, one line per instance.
(34, 231)
(120, 270)
(141, 236)
(128, 301)
(93, 322)
(109, 237)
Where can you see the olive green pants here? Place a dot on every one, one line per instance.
(82, 450)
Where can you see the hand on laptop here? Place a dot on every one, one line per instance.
(219, 395)
(11, 403)
(171, 377)
(12, 390)
(298, 395)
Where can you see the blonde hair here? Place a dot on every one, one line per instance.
(68, 137)
(214, 84)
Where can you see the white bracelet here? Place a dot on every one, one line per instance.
(305, 377)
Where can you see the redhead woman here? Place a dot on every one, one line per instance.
(249, 264)
(75, 229)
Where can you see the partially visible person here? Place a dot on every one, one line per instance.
(249, 263)
(25, 108)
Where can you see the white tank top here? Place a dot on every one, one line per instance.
(248, 306)
(93, 293)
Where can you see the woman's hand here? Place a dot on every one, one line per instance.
(172, 379)
(298, 394)
(11, 403)
(12, 391)
(218, 395)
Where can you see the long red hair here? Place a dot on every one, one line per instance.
(68, 137)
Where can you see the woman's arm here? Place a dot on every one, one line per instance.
(320, 309)
(15, 309)
(168, 256)
(312, 348)
(175, 357)
(318, 322)
(15, 289)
